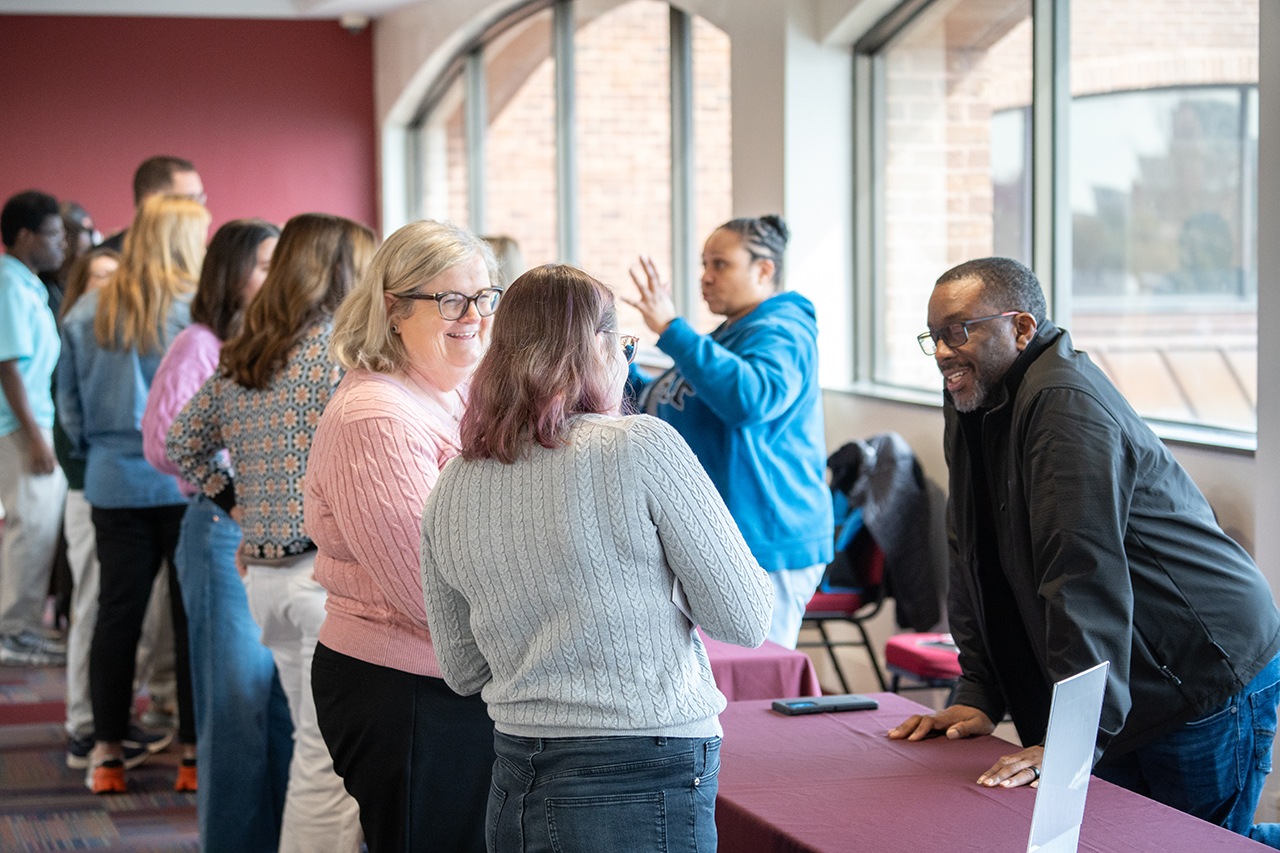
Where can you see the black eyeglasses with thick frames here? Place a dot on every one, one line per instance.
(628, 344)
(454, 305)
(955, 335)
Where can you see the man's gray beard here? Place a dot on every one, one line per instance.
(976, 400)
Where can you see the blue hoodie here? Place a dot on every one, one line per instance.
(746, 399)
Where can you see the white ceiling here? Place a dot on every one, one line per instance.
(203, 8)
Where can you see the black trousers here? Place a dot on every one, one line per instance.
(416, 756)
(132, 545)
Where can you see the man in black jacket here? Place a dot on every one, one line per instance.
(1076, 538)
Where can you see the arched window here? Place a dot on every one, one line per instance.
(589, 139)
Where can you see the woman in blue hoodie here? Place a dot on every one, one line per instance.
(746, 399)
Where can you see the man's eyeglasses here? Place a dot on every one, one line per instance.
(454, 305)
(955, 335)
(628, 344)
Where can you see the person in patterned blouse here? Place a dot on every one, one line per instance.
(262, 405)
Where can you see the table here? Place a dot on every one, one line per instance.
(769, 672)
(830, 783)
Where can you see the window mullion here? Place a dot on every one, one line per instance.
(566, 140)
(683, 169)
(475, 118)
(866, 208)
(1050, 153)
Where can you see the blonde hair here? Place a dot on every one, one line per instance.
(409, 259)
(317, 261)
(163, 250)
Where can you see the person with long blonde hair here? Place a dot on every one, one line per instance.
(273, 381)
(112, 343)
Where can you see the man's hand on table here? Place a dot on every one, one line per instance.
(1013, 771)
(957, 721)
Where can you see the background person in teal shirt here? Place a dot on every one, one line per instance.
(32, 487)
(746, 399)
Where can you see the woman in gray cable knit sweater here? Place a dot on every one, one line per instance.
(566, 556)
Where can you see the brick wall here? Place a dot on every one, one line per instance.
(623, 140)
(960, 62)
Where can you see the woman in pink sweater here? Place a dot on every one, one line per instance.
(414, 754)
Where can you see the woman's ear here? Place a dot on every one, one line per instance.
(764, 271)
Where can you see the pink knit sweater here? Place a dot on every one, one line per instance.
(376, 455)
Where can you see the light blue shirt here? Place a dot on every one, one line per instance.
(102, 394)
(29, 334)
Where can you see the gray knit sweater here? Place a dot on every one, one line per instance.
(548, 584)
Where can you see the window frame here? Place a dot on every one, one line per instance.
(1051, 217)
(468, 64)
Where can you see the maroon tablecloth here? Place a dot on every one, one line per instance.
(829, 783)
(769, 672)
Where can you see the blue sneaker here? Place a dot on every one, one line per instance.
(78, 749)
(152, 742)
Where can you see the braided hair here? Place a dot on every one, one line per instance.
(764, 238)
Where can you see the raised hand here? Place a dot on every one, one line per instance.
(654, 300)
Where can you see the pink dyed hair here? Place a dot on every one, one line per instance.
(543, 365)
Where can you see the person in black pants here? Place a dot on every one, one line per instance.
(112, 343)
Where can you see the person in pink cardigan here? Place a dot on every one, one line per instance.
(415, 755)
(238, 697)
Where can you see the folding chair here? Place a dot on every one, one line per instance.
(853, 605)
(931, 660)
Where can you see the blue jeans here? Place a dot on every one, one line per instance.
(621, 794)
(245, 736)
(1213, 767)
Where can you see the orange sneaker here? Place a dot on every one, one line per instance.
(186, 775)
(107, 777)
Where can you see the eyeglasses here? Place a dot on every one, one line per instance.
(454, 305)
(955, 335)
(628, 344)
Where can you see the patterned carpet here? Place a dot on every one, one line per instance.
(44, 805)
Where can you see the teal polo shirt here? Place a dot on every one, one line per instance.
(29, 334)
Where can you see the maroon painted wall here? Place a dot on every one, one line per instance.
(277, 115)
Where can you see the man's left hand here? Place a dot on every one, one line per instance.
(1013, 771)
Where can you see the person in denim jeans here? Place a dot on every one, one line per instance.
(1213, 767)
(566, 556)
(238, 696)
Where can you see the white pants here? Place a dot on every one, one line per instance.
(155, 665)
(86, 579)
(288, 605)
(792, 589)
(33, 513)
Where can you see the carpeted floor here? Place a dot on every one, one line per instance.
(44, 805)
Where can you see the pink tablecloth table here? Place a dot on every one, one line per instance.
(833, 783)
(769, 672)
